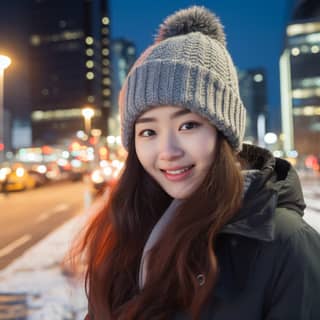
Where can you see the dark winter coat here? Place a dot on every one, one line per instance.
(269, 256)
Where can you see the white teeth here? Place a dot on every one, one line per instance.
(178, 171)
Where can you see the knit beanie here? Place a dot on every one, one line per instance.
(187, 66)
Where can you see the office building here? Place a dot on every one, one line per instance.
(300, 80)
(69, 67)
(253, 92)
(123, 55)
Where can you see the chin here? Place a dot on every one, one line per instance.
(177, 194)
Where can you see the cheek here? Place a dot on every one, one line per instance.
(144, 154)
(203, 149)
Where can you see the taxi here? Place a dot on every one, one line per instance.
(15, 177)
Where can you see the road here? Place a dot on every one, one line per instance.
(26, 217)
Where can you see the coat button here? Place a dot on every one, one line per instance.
(201, 279)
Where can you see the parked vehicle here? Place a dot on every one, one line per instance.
(105, 175)
(15, 177)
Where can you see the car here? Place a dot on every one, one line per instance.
(105, 175)
(15, 177)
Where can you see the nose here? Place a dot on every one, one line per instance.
(170, 148)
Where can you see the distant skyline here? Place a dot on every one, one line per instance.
(255, 35)
(255, 32)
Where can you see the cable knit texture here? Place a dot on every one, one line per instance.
(190, 70)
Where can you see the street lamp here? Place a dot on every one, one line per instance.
(4, 63)
(87, 113)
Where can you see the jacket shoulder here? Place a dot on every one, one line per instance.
(288, 223)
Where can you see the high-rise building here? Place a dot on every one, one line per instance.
(123, 55)
(69, 67)
(253, 92)
(13, 43)
(300, 80)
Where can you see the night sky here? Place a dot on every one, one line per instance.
(255, 32)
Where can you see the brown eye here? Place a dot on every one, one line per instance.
(189, 125)
(146, 133)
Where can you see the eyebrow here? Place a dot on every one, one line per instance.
(176, 114)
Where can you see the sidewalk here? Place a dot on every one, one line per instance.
(37, 277)
(34, 287)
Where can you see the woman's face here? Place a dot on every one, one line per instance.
(176, 147)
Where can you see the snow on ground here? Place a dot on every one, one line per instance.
(38, 274)
(51, 295)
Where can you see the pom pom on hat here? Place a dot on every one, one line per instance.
(193, 19)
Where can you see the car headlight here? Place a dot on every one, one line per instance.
(2, 176)
(3, 173)
(97, 177)
(20, 172)
(41, 169)
(107, 172)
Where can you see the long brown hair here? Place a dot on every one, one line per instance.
(115, 239)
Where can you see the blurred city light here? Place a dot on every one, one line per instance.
(87, 113)
(4, 62)
(270, 138)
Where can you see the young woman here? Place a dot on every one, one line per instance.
(200, 225)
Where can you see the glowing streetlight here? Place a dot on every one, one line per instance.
(4, 64)
(87, 113)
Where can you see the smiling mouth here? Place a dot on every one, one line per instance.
(177, 174)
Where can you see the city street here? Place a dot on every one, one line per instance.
(311, 192)
(35, 286)
(26, 217)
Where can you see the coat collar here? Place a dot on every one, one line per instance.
(274, 184)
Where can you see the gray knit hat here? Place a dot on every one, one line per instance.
(188, 66)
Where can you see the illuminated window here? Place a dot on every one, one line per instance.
(105, 71)
(131, 50)
(122, 63)
(105, 31)
(89, 52)
(106, 81)
(307, 111)
(35, 40)
(68, 35)
(89, 41)
(296, 29)
(306, 93)
(105, 62)
(106, 92)
(258, 77)
(90, 99)
(90, 75)
(89, 64)
(313, 38)
(105, 52)
(315, 49)
(59, 114)
(295, 51)
(105, 21)
(309, 82)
